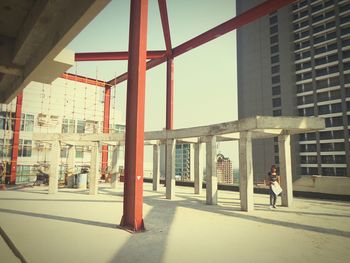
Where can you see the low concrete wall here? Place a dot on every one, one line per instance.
(323, 184)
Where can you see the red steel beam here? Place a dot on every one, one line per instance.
(232, 24)
(122, 55)
(170, 94)
(106, 118)
(165, 25)
(135, 110)
(15, 139)
(82, 79)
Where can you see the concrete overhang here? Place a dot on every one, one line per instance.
(33, 35)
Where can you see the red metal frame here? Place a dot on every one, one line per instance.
(170, 95)
(165, 25)
(122, 55)
(106, 118)
(232, 24)
(135, 110)
(15, 139)
(82, 79)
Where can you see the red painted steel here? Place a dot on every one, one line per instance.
(135, 110)
(106, 118)
(234, 23)
(122, 55)
(170, 94)
(165, 25)
(15, 139)
(150, 64)
(82, 79)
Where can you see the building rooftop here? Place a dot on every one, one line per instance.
(72, 226)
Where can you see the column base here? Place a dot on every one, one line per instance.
(134, 228)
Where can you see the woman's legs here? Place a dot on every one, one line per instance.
(273, 198)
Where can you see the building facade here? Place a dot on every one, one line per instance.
(224, 169)
(296, 62)
(65, 106)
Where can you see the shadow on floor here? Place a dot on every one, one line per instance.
(60, 200)
(60, 218)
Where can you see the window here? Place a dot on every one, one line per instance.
(274, 39)
(340, 171)
(276, 79)
(273, 29)
(324, 109)
(274, 49)
(27, 122)
(277, 112)
(25, 148)
(336, 107)
(276, 90)
(68, 126)
(64, 152)
(79, 152)
(273, 19)
(328, 171)
(7, 120)
(275, 69)
(276, 102)
(326, 135)
(80, 126)
(275, 59)
(5, 148)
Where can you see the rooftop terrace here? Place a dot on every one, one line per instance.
(73, 226)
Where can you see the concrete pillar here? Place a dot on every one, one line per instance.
(94, 174)
(285, 169)
(170, 169)
(212, 180)
(246, 185)
(198, 168)
(54, 162)
(156, 167)
(114, 171)
(70, 166)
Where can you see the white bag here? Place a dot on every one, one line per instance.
(276, 188)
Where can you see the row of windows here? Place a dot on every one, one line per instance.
(24, 148)
(325, 135)
(326, 171)
(327, 109)
(79, 152)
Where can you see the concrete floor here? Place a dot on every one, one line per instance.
(72, 226)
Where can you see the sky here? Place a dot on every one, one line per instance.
(205, 83)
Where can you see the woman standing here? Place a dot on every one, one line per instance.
(273, 180)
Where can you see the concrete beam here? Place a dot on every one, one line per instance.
(170, 169)
(212, 179)
(285, 169)
(114, 170)
(71, 166)
(156, 167)
(94, 174)
(246, 185)
(54, 162)
(198, 168)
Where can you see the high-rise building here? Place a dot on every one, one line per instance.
(224, 169)
(296, 62)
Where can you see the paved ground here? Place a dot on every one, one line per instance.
(72, 226)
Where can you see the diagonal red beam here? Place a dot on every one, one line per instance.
(82, 79)
(165, 25)
(122, 55)
(232, 24)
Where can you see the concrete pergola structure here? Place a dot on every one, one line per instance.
(244, 130)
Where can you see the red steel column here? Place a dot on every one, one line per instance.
(170, 94)
(106, 115)
(135, 109)
(15, 139)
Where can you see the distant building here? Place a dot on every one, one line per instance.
(224, 169)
